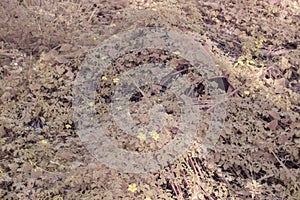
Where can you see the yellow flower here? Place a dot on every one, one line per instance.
(251, 62)
(216, 19)
(246, 92)
(132, 187)
(91, 104)
(119, 108)
(44, 142)
(170, 117)
(142, 136)
(154, 135)
(239, 62)
(115, 80)
(176, 52)
(68, 126)
(147, 198)
(104, 78)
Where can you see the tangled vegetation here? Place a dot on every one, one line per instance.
(256, 46)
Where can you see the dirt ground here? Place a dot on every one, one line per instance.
(256, 47)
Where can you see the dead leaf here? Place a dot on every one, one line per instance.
(26, 116)
(5, 96)
(34, 87)
(13, 167)
(26, 168)
(291, 117)
(2, 131)
(273, 125)
(50, 55)
(296, 126)
(274, 114)
(67, 155)
(65, 47)
(36, 173)
(70, 74)
(60, 59)
(274, 2)
(279, 84)
(284, 63)
(279, 52)
(60, 70)
(283, 138)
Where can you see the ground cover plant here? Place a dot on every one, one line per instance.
(255, 45)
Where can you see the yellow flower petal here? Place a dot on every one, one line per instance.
(246, 92)
(44, 142)
(115, 80)
(170, 117)
(154, 135)
(176, 52)
(251, 62)
(119, 108)
(132, 187)
(104, 78)
(142, 136)
(68, 126)
(239, 62)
